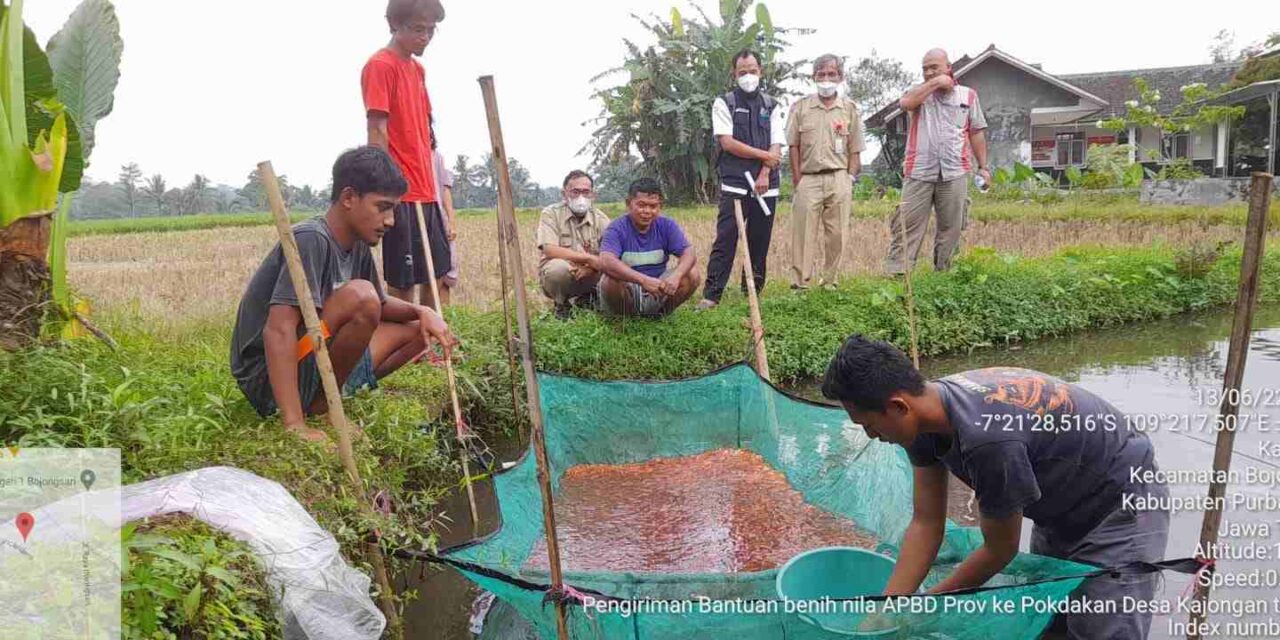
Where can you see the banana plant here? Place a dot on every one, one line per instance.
(49, 106)
(31, 166)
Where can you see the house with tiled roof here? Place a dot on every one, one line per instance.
(1049, 120)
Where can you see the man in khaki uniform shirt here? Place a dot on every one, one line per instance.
(568, 236)
(825, 136)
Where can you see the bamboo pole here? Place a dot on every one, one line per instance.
(753, 299)
(332, 393)
(460, 427)
(1246, 299)
(506, 326)
(511, 239)
(909, 264)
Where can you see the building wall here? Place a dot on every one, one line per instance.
(1203, 143)
(1047, 134)
(1149, 142)
(1008, 95)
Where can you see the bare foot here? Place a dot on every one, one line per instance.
(307, 433)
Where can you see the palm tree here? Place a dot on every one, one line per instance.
(195, 194)
(155, 189)
(130, 174)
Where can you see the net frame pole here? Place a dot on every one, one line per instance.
(459, 425)
(510, 237)
(333, 394)
(753, 298)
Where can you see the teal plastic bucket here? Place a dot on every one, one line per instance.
(835, 572)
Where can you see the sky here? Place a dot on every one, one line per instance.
(216, 87)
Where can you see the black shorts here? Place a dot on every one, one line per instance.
(403, 263)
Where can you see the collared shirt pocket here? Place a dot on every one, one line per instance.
(958, 115)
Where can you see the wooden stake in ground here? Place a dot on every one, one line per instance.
(909, 264)
(332, 393)
(460, 427)
(1250, 270)
(506, 327)
(511, 237)
(753, 299)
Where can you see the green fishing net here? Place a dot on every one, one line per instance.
(823, 455)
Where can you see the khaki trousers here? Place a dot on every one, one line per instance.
(950, 200)
(820, 213)
(559, 283)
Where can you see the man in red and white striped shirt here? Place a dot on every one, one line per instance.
(947, 128)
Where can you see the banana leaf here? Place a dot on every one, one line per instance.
(41, 104)
(85, 58)
(36, 145)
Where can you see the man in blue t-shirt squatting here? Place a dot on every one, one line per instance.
(634, 254)
(1029, 445)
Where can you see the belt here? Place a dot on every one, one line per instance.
(822, 173)
(724, 188)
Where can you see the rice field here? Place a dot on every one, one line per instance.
(172, 278)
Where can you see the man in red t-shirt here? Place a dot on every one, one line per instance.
(398, 110)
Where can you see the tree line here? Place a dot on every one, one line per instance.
(135, 194)
(655, 122)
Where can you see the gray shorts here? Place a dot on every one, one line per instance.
(1122, 537)
(258, 388)
(643, 303)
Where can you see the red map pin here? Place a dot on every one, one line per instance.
(25, 522)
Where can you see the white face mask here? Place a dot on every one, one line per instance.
(828, 89)
(749, 82)
(580, 205)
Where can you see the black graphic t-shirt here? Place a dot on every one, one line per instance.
(1027, 441)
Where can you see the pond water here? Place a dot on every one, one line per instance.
(1169, 370)
(722, 511)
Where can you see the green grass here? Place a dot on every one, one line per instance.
(985, 300)
(191, 577)
(107, 226)
(1081, 207)
(171, 405)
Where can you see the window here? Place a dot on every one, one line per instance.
(1177, 146)
(1070, 149)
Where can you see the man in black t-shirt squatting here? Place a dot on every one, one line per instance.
(1029, 445)
(369, 334)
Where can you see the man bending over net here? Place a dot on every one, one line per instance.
(1028, 445)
